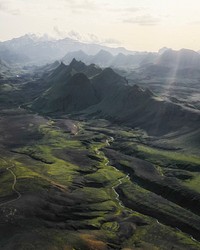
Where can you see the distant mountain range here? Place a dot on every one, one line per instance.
(183, 63)
(30, 49)
(181, 59)
(165, 59)
(103, 93)
(105, 59)
(38, 50)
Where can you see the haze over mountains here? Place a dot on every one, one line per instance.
(40, 50)
(168, 58)
(105, 59)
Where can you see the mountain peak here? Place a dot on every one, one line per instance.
(74, 61)
(74, 64)
(110, 75)
(103, 52)
(136, 87)
(108, 71)
(162, 50)
(61, 66)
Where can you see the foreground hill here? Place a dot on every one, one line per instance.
(70, 89)
(75, 94)
(108, 95)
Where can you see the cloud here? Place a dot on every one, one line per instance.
(74, 35)
(146, 20)
(3, 6)
(111, 42)
(133, 9)
(59, 33)
(86, 38)
(63, 34)
(91, 38)
(6, 8)
(90, 5)
(81, 5)
(194, 23)
(124, 10)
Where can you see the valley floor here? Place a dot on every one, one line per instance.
(69, 183)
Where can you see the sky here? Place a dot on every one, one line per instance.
(142, 25)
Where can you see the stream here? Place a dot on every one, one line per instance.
(13, 186)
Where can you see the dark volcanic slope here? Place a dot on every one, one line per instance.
(74, 67)
(139, 108)
(108, 95)
(107, 82)
(75, 94)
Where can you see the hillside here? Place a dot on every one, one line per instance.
(3, 66)
(74, 94)
(108, 95)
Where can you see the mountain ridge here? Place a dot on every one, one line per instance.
(111, 97)
(40, 51)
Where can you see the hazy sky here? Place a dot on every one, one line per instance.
(134, 24)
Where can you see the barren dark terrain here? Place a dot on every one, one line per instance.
(93, 182)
